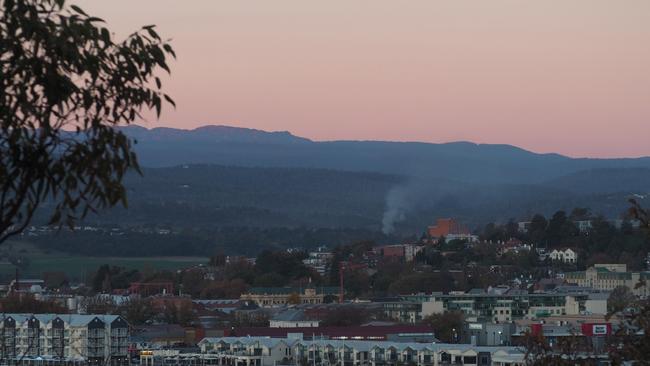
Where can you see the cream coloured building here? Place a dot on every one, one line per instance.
(280, 296)
(610, 276)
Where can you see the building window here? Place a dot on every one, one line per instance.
(469, 360)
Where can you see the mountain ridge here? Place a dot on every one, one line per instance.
(463, 161)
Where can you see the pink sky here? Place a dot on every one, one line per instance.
(567, 76)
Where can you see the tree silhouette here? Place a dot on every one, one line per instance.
(65, 85)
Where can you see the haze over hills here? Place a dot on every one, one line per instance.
(244, 190)
(462, 161)
(372, 184)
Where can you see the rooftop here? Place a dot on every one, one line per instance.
(331, 290)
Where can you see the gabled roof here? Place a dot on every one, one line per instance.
(246, 341)
(365, 346)
(71, 319)
(327, 290)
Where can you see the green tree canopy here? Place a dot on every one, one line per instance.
(447, 326)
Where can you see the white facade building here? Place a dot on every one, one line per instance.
(263, 351)
(567, 255)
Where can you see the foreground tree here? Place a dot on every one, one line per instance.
(631, 341)
(539, 352)
(65, 85)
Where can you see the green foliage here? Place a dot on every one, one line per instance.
(223, 289)
(345, 316)
(65, 85)
(192, 282)
(275, 268)
(26, 303)
(602, 243)
(619, 299)
(539, 351)
(55, 279)
(357, 282)
(424, 282)
(137, 311)
(107, 278)
(537, 229)
(631, 341)
(447, 326)
(270, 279)
(181, 313)
(247, 241)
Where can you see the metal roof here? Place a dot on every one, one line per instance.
(71, 319)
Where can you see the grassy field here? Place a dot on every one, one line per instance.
(77, 268)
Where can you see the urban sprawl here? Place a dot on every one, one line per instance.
(450, 296)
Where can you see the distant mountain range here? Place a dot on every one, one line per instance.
(460, 161)
(227, 176)
(242, 190)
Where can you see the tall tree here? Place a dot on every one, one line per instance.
(447, 326)
(537, 229)
(619, 299)
(65, 85)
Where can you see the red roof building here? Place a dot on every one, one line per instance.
(445, 227)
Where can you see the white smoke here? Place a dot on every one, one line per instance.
(397, 204)
(413, 195)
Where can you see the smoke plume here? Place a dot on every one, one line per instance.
(397, 204)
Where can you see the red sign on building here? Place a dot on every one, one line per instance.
(596, 329)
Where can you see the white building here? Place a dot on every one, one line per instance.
(567, 255)
(523, 226)
(293, 318)
(583, 225)
(470, 238)
(319, 260)
(263, 351)
(64, 338)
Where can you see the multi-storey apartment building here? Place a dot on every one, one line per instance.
(64, 338)
(610, 276)
(496, 307)
(319, 260)
(258, 351)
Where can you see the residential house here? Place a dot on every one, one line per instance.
(565, 255)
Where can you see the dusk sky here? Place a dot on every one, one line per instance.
(563, 76)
